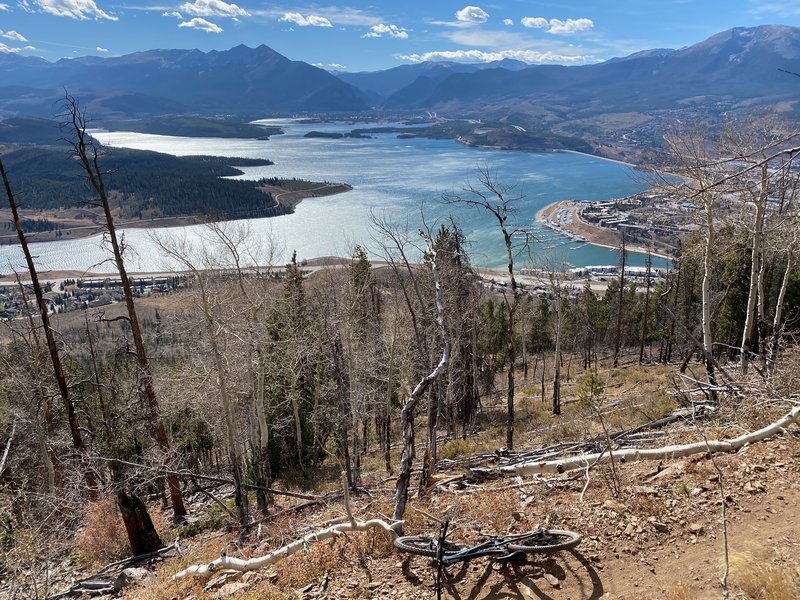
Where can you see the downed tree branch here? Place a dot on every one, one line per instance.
(183, 474)
(474, 473)
(293, 509)
(253, 564)
(103, 580)
(637, 454)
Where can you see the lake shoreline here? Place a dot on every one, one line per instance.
(389, 178)
(80, 223)
(596, 236)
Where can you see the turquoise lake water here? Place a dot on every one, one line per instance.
(400, 180)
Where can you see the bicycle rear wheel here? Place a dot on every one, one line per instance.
(545, 541)
(423, 545)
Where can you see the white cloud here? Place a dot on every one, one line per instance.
(173, 13)
(202, 25)
(535, 22)
(7, 49)
(351, 16)
(309, 21)
(5, 7)
(75, 9)
(29, 48)
(490, 38)
(101, 49)
(570, 26)
(472, 14)
(508, 22)
(335, 66)
(13, 35)
(333, 14)
(528, 56)
(557, 26)
(379, 30)
(770, 10)
(213, 8)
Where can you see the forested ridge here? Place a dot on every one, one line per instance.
(403, 376)
(150, 184)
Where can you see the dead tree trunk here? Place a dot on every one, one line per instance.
(493, 197)
(751, 324)
(620, 303)
(407, 414)
(86, 151)
(142, 535)
(646, 312)
(557, 364)
(52, 347)
(778, 319)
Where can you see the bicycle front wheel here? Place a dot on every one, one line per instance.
(545, 541)
(423, 545)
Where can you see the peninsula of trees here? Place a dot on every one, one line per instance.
(145, 187)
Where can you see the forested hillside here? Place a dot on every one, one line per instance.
(150, 184)
(255, 393)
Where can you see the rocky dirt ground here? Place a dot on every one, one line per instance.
(660, 536)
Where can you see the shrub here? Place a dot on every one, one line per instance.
(103, 539)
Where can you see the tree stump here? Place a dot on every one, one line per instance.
(142, 536)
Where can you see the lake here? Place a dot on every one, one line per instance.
(399, 180)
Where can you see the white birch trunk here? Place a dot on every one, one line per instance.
(636, 454)
(342, 525)
(750, 324)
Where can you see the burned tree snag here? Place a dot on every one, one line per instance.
(142, 535)
(85, 149)
(58, 369)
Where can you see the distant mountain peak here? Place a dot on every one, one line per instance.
(740, 65)
(241, 79)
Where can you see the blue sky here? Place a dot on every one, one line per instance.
(361, 35)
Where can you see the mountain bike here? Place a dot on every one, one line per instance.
(509, 548)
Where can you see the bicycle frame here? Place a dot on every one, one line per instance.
(495, 547)
(505, 548)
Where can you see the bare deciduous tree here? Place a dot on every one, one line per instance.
(87, 151)
(212, 298)
(407, 413)
(498, 200)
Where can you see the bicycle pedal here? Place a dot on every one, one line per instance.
(514, 557)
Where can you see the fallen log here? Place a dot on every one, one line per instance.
(636, 454)
(350, 523)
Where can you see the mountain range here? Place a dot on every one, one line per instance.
(741, 67)
(240, 80)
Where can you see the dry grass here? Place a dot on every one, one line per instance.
(103, 539)
(458, 447)
(164, 587)
(303, 568)
(680, 591)
(760, 575)
(489, 511)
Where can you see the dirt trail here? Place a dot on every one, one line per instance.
(661, 538)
